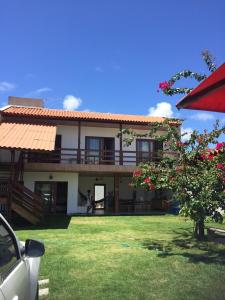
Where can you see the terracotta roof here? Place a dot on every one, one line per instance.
(77, 115)
(27, 136)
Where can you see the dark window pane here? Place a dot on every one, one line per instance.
(93, 147)
(8, 250)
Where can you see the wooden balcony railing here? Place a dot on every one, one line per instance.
(94, 157)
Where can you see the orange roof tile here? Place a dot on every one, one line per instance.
(27, 136)
(77, 115)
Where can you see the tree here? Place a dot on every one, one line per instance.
(193, 171)
(167, 86)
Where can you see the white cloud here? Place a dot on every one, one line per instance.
(42, 90)
(187, 131)
(71, 102)
(162, 109)
(204, 116)
(6, 86)
(38, 92)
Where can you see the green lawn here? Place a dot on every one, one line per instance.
(128, 257)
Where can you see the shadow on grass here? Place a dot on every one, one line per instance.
(53, 221)
(184, 245)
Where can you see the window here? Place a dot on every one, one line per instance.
(93, 146)
(145, 150)
(100, 150)
(148, 150)
(8, 251)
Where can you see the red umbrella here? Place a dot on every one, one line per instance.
(208, 95)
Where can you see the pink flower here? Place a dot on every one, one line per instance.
(137, 173)
(219, 146)
(152, 187)
(147, 180)
(203, 156)
(220, 166)
(210, 156)
(164, 85)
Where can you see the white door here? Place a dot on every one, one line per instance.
(99, 195)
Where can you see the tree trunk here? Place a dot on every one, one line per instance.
(199, 230)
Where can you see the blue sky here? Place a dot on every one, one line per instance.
(107, 55)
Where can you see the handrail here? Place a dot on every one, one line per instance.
(27, 199)
(92, 156)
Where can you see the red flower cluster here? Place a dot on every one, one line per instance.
(137, 173)
(164, 85)
(208, 155)
(149, 183)
(147, 180)
(151, 187)
(219, 146)
(220, 166)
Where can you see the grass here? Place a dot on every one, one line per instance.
(128, 257)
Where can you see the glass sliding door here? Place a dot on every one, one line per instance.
(93, 150)
(145, 150)
(45, 190)
(54, 195)
(100, 150)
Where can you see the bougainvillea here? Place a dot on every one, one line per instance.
(166, 86)
(194, 170)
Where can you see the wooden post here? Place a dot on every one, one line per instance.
(121, 145)
(116, 193)
(78, 153)
(9, 204)
(10, 184)
(12, 164)
(22, 166)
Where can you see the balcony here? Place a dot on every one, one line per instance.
(71, 157)
(92, 157)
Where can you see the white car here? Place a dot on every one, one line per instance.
(19, 265)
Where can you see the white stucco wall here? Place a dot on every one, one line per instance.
(100, 132)
(71, 178)
(70, 140)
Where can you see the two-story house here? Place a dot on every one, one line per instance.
(61, 158)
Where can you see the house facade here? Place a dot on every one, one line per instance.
(63, 158)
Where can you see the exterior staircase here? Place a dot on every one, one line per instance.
(15, 197)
